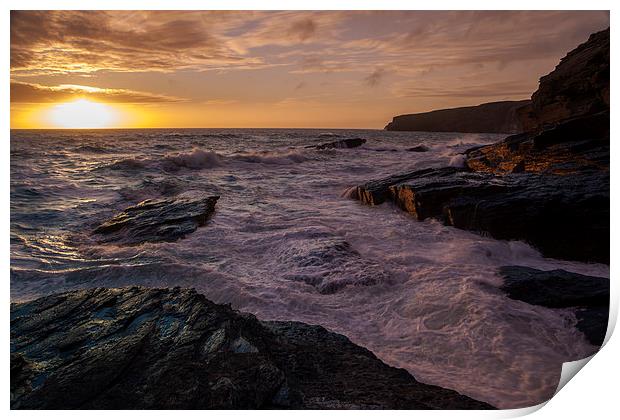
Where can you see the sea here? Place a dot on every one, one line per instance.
(288, 243)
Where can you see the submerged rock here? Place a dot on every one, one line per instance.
(562, 289)
(328, 263)
(157, 221)
(339, 144)
(564, 216)
(138, 348)
(419, 148)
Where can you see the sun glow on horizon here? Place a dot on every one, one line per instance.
(82, 113)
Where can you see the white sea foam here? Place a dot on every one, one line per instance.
(286, 243)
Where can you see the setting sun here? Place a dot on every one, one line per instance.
(82, 113)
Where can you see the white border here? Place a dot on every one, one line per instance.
(592, 395)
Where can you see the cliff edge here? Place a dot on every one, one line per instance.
(492, 117)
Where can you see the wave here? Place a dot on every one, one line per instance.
(87, 148)
(206, 159)
(129, 164)
(272, 158)
(457, 161)
(350, 192)
(196, 159)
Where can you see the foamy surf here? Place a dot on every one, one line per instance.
(286, 243)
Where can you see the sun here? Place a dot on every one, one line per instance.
(82, 113)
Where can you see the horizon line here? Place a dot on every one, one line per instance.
(200, 128)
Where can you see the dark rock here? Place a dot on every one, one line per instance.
(548, 186)
(567, 122)
(137, 348)
(564, 216)
(562, 289)
(378, 191)
(571, 146)
(493, 117)
(577, 87)
(339, 144)
(419, 148)
(157, 220)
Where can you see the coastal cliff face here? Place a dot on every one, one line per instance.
(139, 348)
(548, 186)
(493, 117)
(567, 122)
(578, 87)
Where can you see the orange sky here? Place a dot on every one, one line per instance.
(278, 69)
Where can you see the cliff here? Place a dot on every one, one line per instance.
(567, 122)
(578, 87)
(548, 186)
(493, 117)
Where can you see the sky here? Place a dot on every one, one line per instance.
(321, 69)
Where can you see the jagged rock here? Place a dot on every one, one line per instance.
(577, 87)
(572, 146)
(138, 348)
(493, 117)
(564, 216)
(157, 220)
(567, 122)
(339, 144)
(548, 186)
(562, 289)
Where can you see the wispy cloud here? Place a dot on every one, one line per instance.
(374, 78)
(35, 93)
(515, 89)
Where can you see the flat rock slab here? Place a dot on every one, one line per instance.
(340, 144)
(157, 221)
(564, 216)
(139, 348)
(562, 289)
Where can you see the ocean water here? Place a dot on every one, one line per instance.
(287, 244)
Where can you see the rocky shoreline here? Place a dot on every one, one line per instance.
(548, 186)
(141, 348)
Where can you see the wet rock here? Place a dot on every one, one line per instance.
(138, 348)
(548, 186)
(562, 289)
(420, 148)
(157, 221)
(564, 216)
(340, 144)
(567, 123)
(571, 146)
(378, 191)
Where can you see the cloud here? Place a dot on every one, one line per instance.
(44, 42)
(439, 54)
(375, 78)
(35, 93)
(302, 29)
(487, 90)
